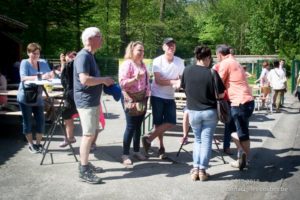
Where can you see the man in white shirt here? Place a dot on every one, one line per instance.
(277, 81)
(167, 70)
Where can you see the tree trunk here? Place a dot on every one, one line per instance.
(107, 27)
(77, 24)
(162, 10)
(160, 31)
(123, 26)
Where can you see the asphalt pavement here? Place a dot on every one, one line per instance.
(273, 172)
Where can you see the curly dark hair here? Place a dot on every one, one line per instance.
(202, 52)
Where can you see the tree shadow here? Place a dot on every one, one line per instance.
(267, 165)
(111, 116)
(260, 117)
(169, 166)
(9, 147)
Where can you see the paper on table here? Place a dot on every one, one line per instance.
(56, 81)
(43, 82)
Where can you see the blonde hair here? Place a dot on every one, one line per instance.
(129, 49)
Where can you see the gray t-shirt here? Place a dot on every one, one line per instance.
(86, 96)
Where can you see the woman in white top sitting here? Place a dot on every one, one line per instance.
(3, 86)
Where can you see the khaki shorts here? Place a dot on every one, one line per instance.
(89, 118)
(265, 90)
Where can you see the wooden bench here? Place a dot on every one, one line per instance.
(12, 113)
(12, 101)
(180, 100)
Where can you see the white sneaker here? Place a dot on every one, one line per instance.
(126, 160)
(235, 164)
(32, 149)
(139, 156)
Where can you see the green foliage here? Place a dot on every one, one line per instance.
(250, 26)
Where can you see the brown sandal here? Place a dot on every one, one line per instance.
(203, 176)
(195, 174)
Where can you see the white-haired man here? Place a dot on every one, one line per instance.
(87, 91)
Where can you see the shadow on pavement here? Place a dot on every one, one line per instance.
(9, 147)
(267, 165)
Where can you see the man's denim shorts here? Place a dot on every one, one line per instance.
(163, 110)
(241, 115)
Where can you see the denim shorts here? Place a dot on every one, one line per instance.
(163, 110)
(241, 115)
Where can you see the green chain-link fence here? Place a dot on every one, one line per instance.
(294, 73)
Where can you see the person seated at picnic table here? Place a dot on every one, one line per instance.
(3, 87)
(29, 69)
(57, 71)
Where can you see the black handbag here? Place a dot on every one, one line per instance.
(223, 108)
(31, 91)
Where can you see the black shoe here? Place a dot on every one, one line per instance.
(39, 148)
(146, 144)
(162, 153)
(32, 149)
(277, 111)
(243, 161)
(228, 151)
(89, 177)
(49, 122)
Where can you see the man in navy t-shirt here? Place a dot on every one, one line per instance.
(87, 91)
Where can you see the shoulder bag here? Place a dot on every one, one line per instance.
(31, 90)
(135, 104)
(223, 108)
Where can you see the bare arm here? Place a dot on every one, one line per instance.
(221, 96)
(88, 80)
(165, 82)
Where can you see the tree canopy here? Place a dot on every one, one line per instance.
(250, 26)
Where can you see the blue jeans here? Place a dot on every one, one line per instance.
(241, 115)
(38, 115)
(204, 125)
(133, 130)
(228, 129)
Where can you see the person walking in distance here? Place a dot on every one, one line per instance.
(277, 79)
(167, 70)
(87, 91)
